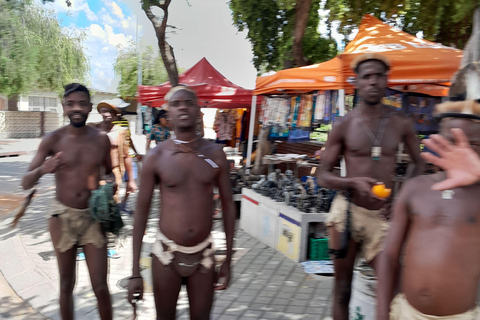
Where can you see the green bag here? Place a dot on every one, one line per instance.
(104, 209)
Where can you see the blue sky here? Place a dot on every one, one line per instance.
(204, 30)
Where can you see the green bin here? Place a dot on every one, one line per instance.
(318, 249)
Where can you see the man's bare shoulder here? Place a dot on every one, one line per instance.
(160, 148)
(97, 136)
(211, 146)
(421, 184)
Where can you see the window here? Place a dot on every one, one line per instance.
(36, 103)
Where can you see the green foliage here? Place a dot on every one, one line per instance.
(321, 133)
(36, 53)
(445, 21)
(270, 25)
(126, 66)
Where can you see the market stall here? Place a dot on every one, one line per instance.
(299, 101)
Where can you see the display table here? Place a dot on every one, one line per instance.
(279, 226)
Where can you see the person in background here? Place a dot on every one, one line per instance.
(368, 138)
(120, 158)
(160, 130)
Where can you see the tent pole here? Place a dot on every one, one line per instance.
(253, 109)
(341, 102)
(341, 113)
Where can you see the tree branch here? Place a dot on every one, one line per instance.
(166, 50)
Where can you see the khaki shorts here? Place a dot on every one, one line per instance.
(78, 227)
(366, 226)
(400, 309)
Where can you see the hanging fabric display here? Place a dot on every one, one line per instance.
(319, 108)
(306, 115)
(393, 98)
(275, 115)
(420, 110)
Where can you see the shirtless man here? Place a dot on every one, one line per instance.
(368, 138)
(441, 264)
(187, 168)
(76, 154)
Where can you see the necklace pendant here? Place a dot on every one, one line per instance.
(376, 153)
(448, 194)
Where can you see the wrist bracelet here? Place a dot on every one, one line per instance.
(137, 277)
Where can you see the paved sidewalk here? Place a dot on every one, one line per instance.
(265, 284)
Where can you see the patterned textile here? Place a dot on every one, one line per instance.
(224, 123)
(159, 134)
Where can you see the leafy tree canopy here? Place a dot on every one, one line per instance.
(445, 21)
(36, 53)
(126, 66)
(270, 25)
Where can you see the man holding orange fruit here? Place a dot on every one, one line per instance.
(368, 139)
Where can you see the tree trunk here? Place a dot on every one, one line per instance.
(302, 8)
(264, 147)
(166, 50)
(471, 51)
(13, 102)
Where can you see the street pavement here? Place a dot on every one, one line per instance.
(265, 284)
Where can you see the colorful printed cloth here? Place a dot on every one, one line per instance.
(159, 134)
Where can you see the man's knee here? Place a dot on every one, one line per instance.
(100, 288)
(66, 286)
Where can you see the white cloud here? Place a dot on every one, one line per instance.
(96, 31)
(116, 39)
(76, 7)
(117, 10)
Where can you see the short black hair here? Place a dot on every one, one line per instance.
(161, 114)
(74, 87)
(357, 69)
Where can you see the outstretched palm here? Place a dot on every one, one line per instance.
(460, 162)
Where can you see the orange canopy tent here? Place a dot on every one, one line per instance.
(414, 62)
(212, 88)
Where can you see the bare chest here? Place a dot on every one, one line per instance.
(457, 208)
(179, 169)
(81, 155)
(364, 136)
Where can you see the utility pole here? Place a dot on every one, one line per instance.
(139, 82)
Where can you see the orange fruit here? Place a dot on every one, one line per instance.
(380, 191)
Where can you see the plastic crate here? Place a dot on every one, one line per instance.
(318, 249)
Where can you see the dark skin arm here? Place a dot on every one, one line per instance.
(333, 150)
(131, 185)
(389, 259)
(107, 160)
(228, 212)
(38, 167)
(413, 149)
(149, 179)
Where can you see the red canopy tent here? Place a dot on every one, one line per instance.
(212, 88)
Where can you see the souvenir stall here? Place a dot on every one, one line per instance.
(299, 106)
